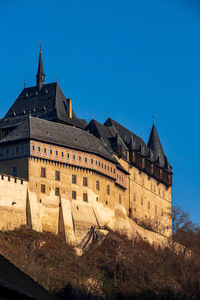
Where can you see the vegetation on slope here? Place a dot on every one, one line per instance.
(114, 268)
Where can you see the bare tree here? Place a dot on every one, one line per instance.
(180, 220)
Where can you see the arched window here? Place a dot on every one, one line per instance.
(108, 189)
(120, 199)
(97, 185)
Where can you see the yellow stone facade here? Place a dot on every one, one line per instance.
(147, 199)
(61, 180)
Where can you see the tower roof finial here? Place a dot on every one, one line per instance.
(153, 118)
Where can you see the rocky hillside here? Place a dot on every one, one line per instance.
(111, 268)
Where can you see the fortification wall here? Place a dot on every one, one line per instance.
(13, 195)
(20, 205)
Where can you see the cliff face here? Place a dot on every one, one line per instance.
(113, 267)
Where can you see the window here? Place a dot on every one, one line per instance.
(85, 181)
(14, 171)
(108, 168)
(74, 179)
(67, 155)
(162, 212)
(105, 167)
(148, 204)
(99, 164)
(62, 154)
(50, 151)
(108, 189)
(43, 172)
(102, 165)
(57, 175)
(33, 147)
(17, 149)
(42, 188)
(45, 150)
(74, 156)
(141, 201)
(120, 199)
(97, 199)
(97, 185)
(151, 186)
(74, 195)
(38, 149)
(85, 159)
(85, 197)
(56, 152)
(91, 161)
(79, 158)
(57, 191)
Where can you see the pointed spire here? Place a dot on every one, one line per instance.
(40, 74)
(155, 145)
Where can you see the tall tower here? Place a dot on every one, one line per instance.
(40, 74)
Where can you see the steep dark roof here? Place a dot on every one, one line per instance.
(60, 134)
(49, 103)
(155, 145)
(100, 131)
(127, 136)
(15, 280)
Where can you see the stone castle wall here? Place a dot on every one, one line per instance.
(147, 199)
(19, 205)
(46, 200)
(13, 195)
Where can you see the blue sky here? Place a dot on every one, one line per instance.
(129, 58)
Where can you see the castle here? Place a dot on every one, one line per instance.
(61, 174)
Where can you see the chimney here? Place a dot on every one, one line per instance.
(69, 107)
